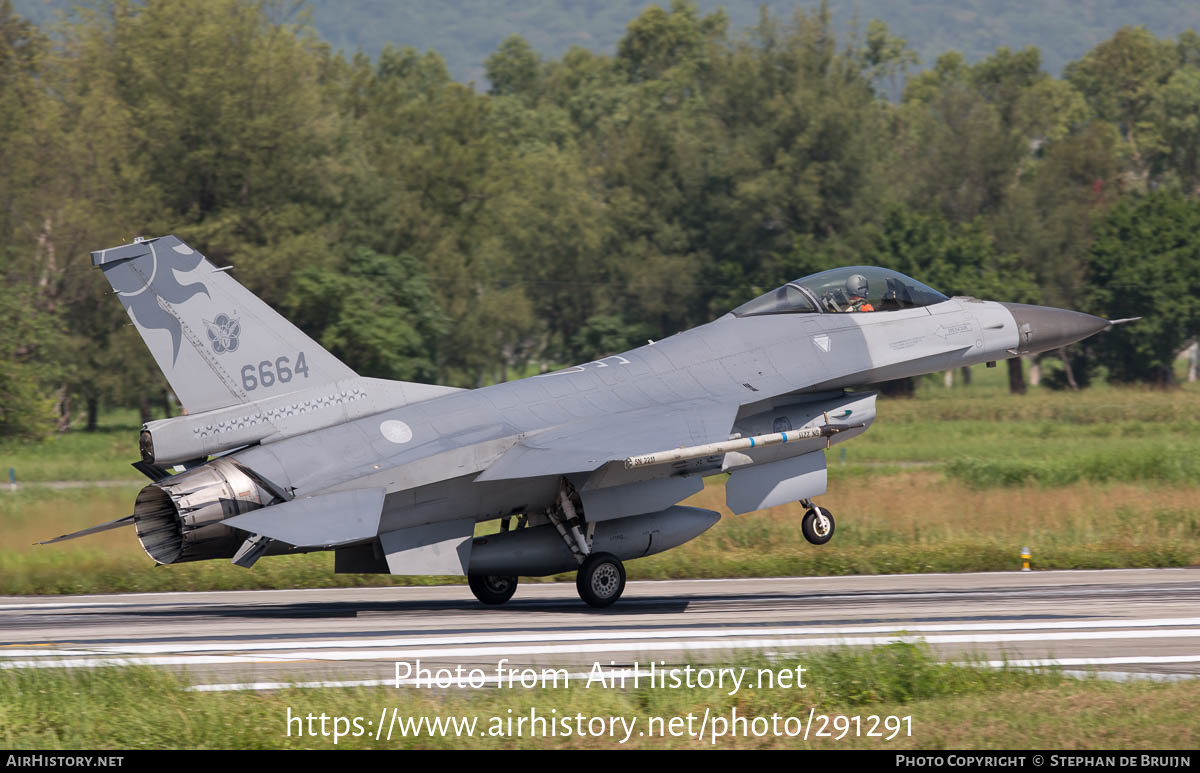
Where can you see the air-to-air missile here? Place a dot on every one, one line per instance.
(736, 444)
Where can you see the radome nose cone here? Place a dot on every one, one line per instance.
(1043, 327)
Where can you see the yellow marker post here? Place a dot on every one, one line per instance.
(1026, 556)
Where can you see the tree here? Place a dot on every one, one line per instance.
(374, 312)
(1146, 262)
(1121, 79)
(30, 350)
(1177, 116)
(658, 40)
(514, 69)
(212, 124)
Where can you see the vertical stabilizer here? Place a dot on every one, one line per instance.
(215, 341)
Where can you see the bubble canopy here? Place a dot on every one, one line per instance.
(853, 289)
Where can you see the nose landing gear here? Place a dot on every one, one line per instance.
(818, 525)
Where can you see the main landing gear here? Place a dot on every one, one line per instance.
(492, 589)
(818, 524)
(600, 580)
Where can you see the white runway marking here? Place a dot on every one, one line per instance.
(631, 601)
(491, 679)
(587, 636)
(598, 646)
(1142, 618)
(397, 591)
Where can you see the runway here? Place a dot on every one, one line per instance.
(1133, 621)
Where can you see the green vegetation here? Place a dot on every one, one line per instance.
(952, 706)
(966, 428)
(103, 454)
(1140, 249)
(423, 230)
(1157, 464)
(915, 521)
(952, 480)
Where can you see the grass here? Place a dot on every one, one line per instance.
(917, 521)
(1158, 464)
(952, 480)
(909, 521)
(105, 454)
(954, 706)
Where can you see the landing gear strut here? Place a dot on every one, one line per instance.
(601, 576)
(600, 580)
(818, 524)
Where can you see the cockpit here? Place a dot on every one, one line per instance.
(844, 290)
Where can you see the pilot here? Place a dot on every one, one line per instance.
(856, 291)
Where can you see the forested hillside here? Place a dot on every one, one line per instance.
(466, 32)
(424, 230)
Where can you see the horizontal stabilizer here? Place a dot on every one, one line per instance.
(126, 521)
(321, 521)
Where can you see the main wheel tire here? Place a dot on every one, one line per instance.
(600, 580)
(818, 530)
(492, 589)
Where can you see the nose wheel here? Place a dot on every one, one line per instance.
(600, 579)
(817, 525)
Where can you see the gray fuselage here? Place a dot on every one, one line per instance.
(750, 361)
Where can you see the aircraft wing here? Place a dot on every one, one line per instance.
(590, 443)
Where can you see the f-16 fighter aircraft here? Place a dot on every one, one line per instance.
(285, 449)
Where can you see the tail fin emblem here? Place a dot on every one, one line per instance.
(223, 333)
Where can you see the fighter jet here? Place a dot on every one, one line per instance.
(284, 449)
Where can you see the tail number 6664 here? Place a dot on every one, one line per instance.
(266, 373)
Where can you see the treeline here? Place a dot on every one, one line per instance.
(423, 231)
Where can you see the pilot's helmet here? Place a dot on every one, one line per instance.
(856, 285)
